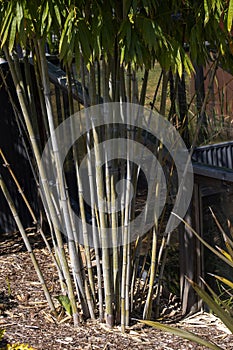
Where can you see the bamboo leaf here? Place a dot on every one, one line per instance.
(223, 279)
(218, 310)
(188, 66)
(12, 34)
(217, 299)
(45, 13)
(222, 257)
(122, 55)
(179, 63)
(63, 45)
(65, 302)
(57, 13)
(228, 242)
(64, 41)
(230, 15)
(5, 22)
(207, 14)
(5, 31)
(49, 22)
(19, 15)
(182, 333)
(84, 39)
(223, 252)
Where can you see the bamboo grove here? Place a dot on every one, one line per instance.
(105, 44)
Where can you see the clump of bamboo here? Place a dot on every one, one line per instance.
(105, 48)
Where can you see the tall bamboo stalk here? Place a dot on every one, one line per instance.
(20, 190)
(86, 298)
(61, 184)
(163, 101)
(46, 191)
(27, 244)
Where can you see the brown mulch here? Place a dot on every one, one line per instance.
(25, 316)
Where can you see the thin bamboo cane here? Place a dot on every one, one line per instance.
(85, 297)
(125, 284)
(143, 89)
(20, 190)
(152, 270)
(37, 70)
(166, 238)
(131, 178)
(31, 100)
(92, 194)
(92, 84)
(138, 243)
(105, 81)
(27, 244)
(148, 305)
(86, 247)
(163, 101)
(56, 259)
(20, 77)
(129, 84)
(123, 97)
(106, 188)
(104, 237)
(125, 262)
(46, 190)
(62, 191)
(98, 81)
(100, 195)
(114, 225)
(134, 88)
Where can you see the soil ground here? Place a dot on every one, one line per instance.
(25, 316)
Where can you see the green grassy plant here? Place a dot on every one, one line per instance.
(219, 306)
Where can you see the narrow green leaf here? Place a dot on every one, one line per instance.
(49, 22)
(5, 32)
(19, 15)
(207, 14)
(223, 279)
(45, 13)
(57, 13)
(223, 252)
(222, 257)
(63, 45)
(122, 55)
(217, 299)
(5, 20)
(188, 66)
(84, 40)
(230, 15)
(218, 310)
(12, 34)
(179, 63)
(65, 302)
(182, 333)
(228, 242)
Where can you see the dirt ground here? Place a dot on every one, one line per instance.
(25, 316)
